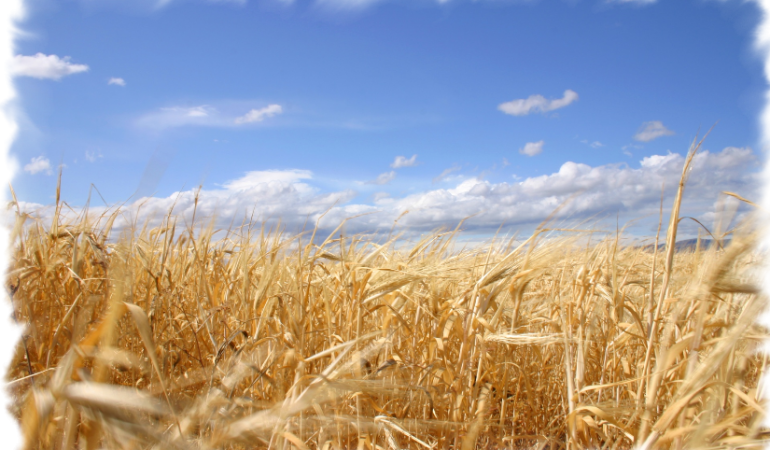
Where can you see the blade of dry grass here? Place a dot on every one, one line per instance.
(196, 338)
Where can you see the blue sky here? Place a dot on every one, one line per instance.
(291, 108)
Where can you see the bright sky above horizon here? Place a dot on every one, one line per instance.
(500, 110)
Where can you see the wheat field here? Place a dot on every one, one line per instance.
(185, 336)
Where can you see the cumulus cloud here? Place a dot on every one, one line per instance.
(605, 188)
(38, 164)
(284, 195)
(42, 66)
(652, 130)
(383, 178)
(117, 81)
(532, 148)
(402, 161)
(634, 192)
(537, 104)
(258, 115)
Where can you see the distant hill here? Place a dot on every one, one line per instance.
(689, 245)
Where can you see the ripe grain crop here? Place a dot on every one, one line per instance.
(178, 337)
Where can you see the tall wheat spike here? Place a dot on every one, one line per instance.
(177, 337)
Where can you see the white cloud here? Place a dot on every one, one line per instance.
(203, 116)
(92, 156)
(652, 130)
(265, 177)
(117, 81)
(258, 115)
(443, 175)
(178, 116)
(42, 66)
(607, 188)
(537, 104)
(284, 195)
(38, 164)
(532, 148)
(627, 149)
(383, 178)
(402, 161)
(380, 196)
(290, 195)
(594, 144)
(197, 111)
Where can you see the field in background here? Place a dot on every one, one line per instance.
(167, 338)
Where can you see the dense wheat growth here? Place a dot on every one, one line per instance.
(168, 337)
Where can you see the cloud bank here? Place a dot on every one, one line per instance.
(292, 196)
